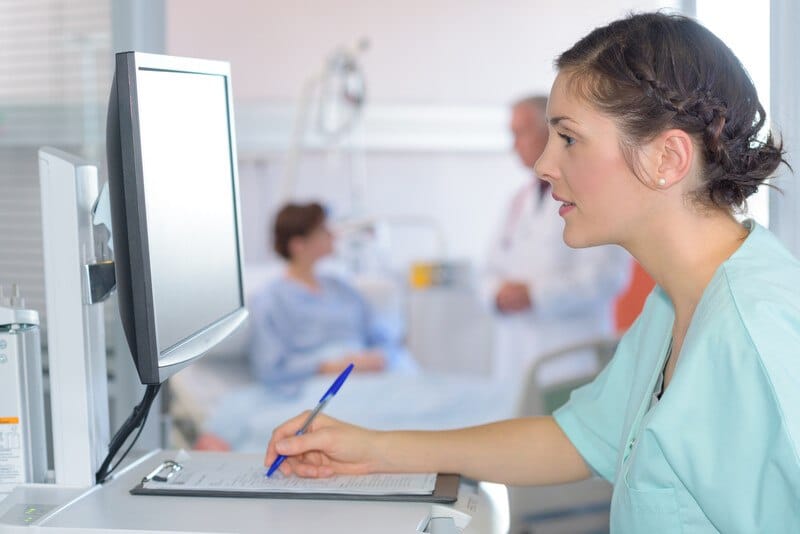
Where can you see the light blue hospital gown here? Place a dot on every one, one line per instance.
(719, 451)
(295, 329)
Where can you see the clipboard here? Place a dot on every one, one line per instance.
(445, 490)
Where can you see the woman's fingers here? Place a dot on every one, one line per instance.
(319, 440)
(289, 428)
(327, 448)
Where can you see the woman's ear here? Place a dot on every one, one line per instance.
(295, 246)
(675, 153)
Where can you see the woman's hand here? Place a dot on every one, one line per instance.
(329, 447)
(210, 442)
(371, 361)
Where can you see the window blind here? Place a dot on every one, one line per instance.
(55, 74)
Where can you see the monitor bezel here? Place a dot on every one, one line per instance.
(155, 366)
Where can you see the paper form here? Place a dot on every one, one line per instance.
(240, 475)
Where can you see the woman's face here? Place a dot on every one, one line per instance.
(603, 200)
(314, 246)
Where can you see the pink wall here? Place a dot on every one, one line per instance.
(454, 52)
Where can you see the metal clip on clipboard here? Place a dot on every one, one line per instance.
(163, 472)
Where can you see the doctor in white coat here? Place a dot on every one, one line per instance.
(545, 294)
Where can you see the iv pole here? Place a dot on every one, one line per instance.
(340, 91)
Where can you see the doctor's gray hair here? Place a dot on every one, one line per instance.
(654, 71)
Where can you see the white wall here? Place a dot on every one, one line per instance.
(440, 76)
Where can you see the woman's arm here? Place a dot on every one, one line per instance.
(525, 451)
(518, 451)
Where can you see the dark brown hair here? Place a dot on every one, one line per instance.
(654, 71)
(295, 220)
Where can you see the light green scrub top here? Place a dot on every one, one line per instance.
(719, 451)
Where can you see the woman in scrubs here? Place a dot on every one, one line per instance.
(654, 144)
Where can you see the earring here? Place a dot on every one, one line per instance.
(662, 182)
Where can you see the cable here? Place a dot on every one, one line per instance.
(133, 442)
(136, 420)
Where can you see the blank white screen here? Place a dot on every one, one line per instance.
(189, 196)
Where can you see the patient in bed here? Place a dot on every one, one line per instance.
(306, 323)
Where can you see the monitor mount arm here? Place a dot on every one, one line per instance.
(99, 277)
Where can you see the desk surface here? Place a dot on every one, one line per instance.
(111, 508)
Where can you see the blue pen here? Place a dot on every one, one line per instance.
(322, 402)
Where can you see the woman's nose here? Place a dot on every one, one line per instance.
(543, 166)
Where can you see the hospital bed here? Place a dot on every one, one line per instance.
(219, 389)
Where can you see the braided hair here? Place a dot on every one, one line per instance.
(654, 71)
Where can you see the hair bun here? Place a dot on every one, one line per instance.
(731, 191)
(748, 168)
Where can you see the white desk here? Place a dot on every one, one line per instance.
(111, 508)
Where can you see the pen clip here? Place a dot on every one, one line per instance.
(172, 467)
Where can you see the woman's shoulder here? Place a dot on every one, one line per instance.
(760, 308)
(762, 257)
(761, 283)
(754, 309)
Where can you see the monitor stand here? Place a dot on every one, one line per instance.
(75, 329)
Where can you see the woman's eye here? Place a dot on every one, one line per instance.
(567, 139)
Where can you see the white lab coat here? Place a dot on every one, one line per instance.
(572, 290)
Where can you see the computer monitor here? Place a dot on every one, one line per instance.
(174, 196)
